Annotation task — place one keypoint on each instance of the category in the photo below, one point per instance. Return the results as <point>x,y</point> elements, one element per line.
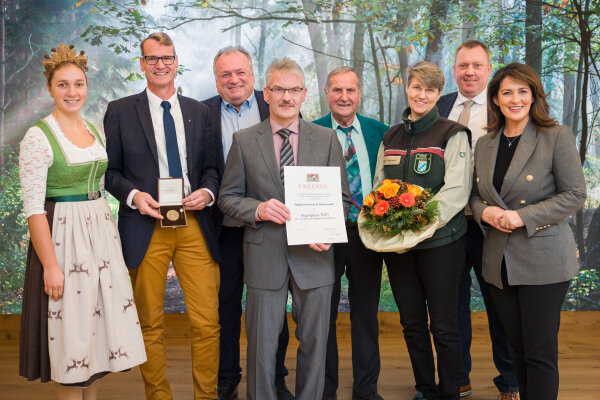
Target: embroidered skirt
<point>93,329</point>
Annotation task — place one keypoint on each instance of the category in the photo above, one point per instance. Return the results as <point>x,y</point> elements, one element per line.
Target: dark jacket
<point>133,164</point>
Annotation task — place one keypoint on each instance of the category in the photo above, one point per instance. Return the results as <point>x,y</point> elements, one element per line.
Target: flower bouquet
<point>397,216</point>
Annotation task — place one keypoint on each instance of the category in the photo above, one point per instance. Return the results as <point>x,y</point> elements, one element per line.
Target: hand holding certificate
<point>314,197</point>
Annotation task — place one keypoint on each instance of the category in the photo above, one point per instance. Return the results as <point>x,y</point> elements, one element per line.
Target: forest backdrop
<point>379,38</point>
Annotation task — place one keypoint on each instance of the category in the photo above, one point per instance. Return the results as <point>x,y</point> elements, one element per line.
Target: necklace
<point>510,142</point>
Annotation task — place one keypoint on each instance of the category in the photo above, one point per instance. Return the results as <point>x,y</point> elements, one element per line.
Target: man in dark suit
<point>360,136</point>
<point>252,191</point>
<point>468,106</point>
<point>159,134</point>
<point>237,106</point>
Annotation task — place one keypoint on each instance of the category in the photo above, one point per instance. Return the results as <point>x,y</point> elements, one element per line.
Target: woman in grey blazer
<point>527,180</point>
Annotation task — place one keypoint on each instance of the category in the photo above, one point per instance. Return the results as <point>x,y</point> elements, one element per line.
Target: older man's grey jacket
<point>252,176</point>
<point>544,184</point>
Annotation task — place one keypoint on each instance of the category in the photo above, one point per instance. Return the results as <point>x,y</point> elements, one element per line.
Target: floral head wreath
<point>63,54</point>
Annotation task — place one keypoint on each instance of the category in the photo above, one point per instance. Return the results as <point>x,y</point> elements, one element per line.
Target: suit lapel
<point>489,167</point>
<point>143,109</point>
<point>264,140</point>
<point>188,124</point>
<point>328,120</point>
<point>525,149</point>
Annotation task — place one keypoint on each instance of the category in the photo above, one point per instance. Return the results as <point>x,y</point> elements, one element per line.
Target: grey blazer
<point>252,176</point>
<point>544,184</point>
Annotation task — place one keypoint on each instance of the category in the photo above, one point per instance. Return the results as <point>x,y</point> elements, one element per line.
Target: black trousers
<point>502,353</point>
<point>363,269</point>
<point>230,310</point>
<point>425,281</point>
<point>530,315</point>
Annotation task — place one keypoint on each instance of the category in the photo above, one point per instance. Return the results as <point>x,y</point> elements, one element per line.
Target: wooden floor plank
<point>579,343</point>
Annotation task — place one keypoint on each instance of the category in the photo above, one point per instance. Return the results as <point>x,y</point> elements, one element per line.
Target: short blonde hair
<point>430,74</point>
<point>161,38</point>
<point>285,65</point>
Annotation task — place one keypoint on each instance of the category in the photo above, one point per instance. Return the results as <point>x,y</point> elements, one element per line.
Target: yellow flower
<point>369,201</point>
<point>388,189</point>
<point>414,190</point>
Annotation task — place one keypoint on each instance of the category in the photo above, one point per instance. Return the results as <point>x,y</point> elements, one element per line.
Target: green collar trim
<point>422,124</point>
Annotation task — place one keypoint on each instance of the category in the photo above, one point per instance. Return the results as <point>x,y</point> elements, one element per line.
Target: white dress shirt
<point>156,113</point>
<point>478,117</point>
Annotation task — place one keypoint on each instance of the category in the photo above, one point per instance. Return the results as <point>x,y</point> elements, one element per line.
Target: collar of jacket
<point>422,124</point>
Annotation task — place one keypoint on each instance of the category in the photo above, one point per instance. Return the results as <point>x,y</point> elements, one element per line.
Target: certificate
<point>314,198</point>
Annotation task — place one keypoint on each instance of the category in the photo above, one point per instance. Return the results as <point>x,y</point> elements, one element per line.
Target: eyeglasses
<point>153,60</point>
<point>295,91</point>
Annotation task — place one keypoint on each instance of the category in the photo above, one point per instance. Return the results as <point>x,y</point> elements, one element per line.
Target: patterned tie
<point>353,173</point>
<point>465,114</point>
<point>287,154</point>
<point>173,159</point>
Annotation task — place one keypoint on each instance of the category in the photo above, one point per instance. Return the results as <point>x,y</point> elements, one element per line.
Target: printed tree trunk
<point>358,55</point>
<point>377,74</point>
<point>533,35</point>
<point>321,60</point>
<point>401,100</point>
<point>2,79</point>
<point>435,38</point>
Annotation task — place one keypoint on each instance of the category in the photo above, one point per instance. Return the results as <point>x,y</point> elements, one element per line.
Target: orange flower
<point>407,199</point>
<point>414,190</point>
<point>388,189</point>
<point>381,207</point>
<point>369,201</point>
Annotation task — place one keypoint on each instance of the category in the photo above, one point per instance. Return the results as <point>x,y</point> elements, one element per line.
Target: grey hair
<point>284,64</point>
<point>341,70</point>
<point>230,49</point>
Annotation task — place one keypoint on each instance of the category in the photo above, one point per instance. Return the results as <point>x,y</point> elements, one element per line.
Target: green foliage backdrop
<point>379,38</point>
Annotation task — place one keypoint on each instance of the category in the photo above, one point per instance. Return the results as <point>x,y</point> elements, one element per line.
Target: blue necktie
<point>173,159</point>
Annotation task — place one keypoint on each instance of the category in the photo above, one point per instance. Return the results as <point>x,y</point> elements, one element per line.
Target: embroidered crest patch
<point>422,163</point>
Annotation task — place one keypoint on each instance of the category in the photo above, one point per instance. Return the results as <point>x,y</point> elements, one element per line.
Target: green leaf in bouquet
<point>432,206</point>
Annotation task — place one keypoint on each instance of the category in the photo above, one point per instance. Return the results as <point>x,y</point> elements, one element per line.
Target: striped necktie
<point>353,173</point>
<point>287,154</point>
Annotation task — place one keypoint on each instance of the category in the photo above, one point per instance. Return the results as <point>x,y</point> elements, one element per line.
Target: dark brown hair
<point>539,113</point>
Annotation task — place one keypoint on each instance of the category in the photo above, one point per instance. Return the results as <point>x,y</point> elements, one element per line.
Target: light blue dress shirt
<point>361,152</point>
<point>233,121</point>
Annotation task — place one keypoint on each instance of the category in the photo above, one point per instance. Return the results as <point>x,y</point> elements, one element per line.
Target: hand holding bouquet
<point>397,216</point>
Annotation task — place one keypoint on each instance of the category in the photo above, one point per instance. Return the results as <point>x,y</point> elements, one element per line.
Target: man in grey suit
<point>252,192</point>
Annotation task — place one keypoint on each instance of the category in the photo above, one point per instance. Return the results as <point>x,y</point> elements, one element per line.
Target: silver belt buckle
<point>93,196</point>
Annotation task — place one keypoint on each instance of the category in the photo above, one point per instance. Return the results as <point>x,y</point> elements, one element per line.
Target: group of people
<point>81,319</point>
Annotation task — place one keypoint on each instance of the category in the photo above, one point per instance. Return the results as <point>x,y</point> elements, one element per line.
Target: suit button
<point>484,202</point>
<point>522,202</point>
<point>529,178</point>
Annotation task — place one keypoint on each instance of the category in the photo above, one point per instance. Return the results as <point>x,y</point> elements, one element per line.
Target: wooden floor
<point>579,363</point>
